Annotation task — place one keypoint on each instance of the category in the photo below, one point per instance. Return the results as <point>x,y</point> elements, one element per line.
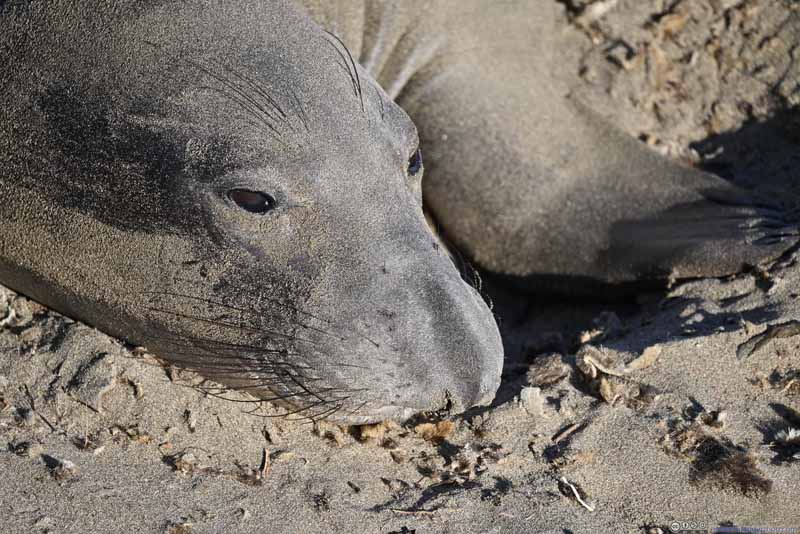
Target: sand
<point>627,416</point>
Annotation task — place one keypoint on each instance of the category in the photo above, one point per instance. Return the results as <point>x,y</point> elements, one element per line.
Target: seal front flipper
<point>724,232</point>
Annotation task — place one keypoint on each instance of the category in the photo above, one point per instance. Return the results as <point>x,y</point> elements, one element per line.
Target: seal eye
<point>252,201</point>
<point>415,163</point>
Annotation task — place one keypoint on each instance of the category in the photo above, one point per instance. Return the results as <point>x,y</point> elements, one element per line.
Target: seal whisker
<point>469,273</point>
<point>232,86</point>
<point>262,367</point>
<point>300,111</point>
<point>382,104</point>
<point>356,79</point>
<point>260,91</point>
<point>304,388</point>
<point>236,362</point>
<point>254,310</point>
<point>235,354</point>
<point>253,104</point>
<point>240,358</point>
<point>357,408</point>
<point>251,401</point>
<point>351,366</point>
<point>278,303</point>
<point>345,64</point>
<point>240,353</point>
<point>219,391</point>
<point>290,413</point>
<point>283,373</point>
<point>262,383</point>
<point>231,325</point>
<point>242,347</point>
<point>272,131</point>
<point>315,418</point>
<point>189,359</point>
<point>338,406</point>
<point>201,343</point>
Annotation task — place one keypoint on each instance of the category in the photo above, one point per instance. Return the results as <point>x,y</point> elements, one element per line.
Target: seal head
<point>232,191</point>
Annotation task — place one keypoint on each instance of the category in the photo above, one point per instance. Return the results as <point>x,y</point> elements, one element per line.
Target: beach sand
<point>673,409</point>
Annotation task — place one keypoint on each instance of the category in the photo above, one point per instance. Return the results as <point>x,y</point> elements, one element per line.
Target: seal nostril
<point>415,163</point>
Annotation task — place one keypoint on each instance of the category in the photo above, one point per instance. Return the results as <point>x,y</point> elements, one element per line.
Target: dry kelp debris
<point>254,477</point>
<point>398,488</point>
<point>697,413</point>
<point>775,331</point>
<point>89,443</point>
<point>387,434</point>
<point>560,443</point>
<point>607,378</point>
<point>378,433</point>
<point>782,436</point>
<point>786,443</point>
<point>605,326</point>
<point>456,470</point>
<point>186,463</point>
<point>322,501</point>
<point>787,382</point>
<point>334,434</point>
<point>468,463</point>
<point>132,432</point>
<point>17,311</point>
<point>181,527</point>
<point>716,461</point>
<point>547,370</point>
<point>61,470</point>
<point>27,449</point>
<point>435,432</point>
<point>502,487</point>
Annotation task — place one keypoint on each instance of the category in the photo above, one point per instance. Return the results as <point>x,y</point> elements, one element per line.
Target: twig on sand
<point>412,512</point>
<point>565,433</point>
<point>263,470</point>
<point>576,493</point>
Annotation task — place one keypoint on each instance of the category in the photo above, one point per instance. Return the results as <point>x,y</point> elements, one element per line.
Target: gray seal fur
<point>127,126</point>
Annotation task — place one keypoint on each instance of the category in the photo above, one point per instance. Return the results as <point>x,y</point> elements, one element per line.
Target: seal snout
<point>433,343</point>
<point>469,346</point>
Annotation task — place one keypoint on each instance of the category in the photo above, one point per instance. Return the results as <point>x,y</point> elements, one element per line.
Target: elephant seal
<point>222,183</point>
<point>226,184</point>
<point>526,180</point>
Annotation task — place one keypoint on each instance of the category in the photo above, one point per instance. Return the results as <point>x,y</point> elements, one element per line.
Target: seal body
<point>527,181</point>
<point>222,183</point>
